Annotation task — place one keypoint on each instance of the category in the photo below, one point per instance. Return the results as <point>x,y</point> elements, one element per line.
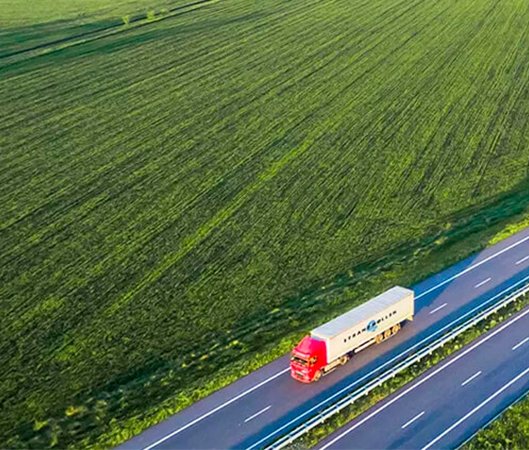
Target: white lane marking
<point>477,374</point>
<point>391,361</point>
<point>438,308</point>
<point>482,283</point>
<point>223,405</point>
<point>412,420</point>
<point>425,379</point>
<point>520,343</point>
<point>477,408</point>
<point>218,408</point>
<point>522,260</point>
<point>468,269</point>
<point>258,413</point>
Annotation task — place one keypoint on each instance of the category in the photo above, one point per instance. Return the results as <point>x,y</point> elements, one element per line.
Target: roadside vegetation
<point>510,430</point>
<point>408,375</point>
<point>181,201</point>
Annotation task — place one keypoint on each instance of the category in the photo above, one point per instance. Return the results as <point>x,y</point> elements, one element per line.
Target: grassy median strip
<point>406,376</point>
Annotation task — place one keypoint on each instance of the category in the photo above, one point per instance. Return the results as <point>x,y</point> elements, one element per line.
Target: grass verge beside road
<point>510,430</point>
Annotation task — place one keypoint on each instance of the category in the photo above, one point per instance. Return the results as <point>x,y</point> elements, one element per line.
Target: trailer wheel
<point>343,360</point>
<point>379,338</point>
<point>317,376</point>
<point>387,334</point>
<point>395,329</point>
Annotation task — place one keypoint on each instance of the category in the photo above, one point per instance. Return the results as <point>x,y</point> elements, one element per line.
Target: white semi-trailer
<point>336,341</point>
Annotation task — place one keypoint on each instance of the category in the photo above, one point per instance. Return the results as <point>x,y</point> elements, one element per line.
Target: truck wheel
<point>317,376</point>
<point>395,329</point>
<point>343,360</point>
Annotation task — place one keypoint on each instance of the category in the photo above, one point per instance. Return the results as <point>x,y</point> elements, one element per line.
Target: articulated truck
<point>335,342</point>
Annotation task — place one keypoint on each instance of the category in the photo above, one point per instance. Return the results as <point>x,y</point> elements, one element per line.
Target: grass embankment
<point>178,199</point>
<point>406,376</point>
<point>510,430</point>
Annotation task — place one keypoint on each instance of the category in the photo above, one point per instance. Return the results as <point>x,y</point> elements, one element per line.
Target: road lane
<point>459,396</point>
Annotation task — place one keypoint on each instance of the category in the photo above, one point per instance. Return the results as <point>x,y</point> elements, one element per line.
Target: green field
<point>170,192</point>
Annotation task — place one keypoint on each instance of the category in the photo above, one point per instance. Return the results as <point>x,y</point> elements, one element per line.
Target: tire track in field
<point>375,121</point>
<point>505,105</point>
<point>396,126</point>
<point>217,222</point>
<point>477,41</point>
<point>118,256</point>
<point>445,66</point>
<point>90,36</point>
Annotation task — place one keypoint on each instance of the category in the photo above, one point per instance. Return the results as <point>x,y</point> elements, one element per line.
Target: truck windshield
<point>301,361</point>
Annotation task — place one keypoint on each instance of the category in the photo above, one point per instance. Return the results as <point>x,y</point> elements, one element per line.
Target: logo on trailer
<point>372,326</point>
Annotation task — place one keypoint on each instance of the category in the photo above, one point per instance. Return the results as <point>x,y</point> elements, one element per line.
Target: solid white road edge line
<point>477,408</point>
<point>522,260</point>
<point>258,413</point>
<point>477,374</point>
<point>438,308</point>
<point>482,283</point>
<point>218,408</point>
<point>223,405</point>
<point>426,378</point>
<point>520,343</point>
<point>412,420</point>
<point>468,269</point>
<point>346,388</point>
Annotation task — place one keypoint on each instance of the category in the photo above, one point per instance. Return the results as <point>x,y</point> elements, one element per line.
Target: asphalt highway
<point>258,408</point>
<point>450,402</point>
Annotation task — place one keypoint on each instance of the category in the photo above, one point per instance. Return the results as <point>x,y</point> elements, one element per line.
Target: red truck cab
<point>308,359</point>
